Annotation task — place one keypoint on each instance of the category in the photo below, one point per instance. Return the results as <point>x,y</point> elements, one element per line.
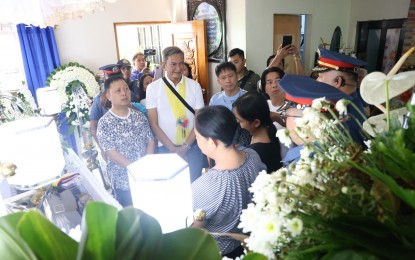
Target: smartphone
<point>287,40</point>
<point>158,72</point>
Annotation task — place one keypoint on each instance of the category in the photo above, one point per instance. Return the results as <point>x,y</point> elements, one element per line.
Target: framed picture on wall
<point>213,11</point>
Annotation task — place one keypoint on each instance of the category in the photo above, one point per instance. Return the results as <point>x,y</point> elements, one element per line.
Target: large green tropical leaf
<point>189,243</point>
<point>98,232</point>
<point>44,238</point>
<point>12,245</point>
<point>106,234</point>
<point>138,234</point>
<point>349,254</point>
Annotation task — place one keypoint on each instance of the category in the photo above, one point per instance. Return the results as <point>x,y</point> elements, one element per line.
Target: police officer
<point>341,72</point>
<point>300,91</point>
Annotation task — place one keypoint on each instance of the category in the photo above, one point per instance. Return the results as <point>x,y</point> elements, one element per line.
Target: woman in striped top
<point>222,192</point>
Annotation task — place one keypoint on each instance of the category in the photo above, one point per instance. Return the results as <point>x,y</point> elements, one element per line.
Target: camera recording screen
<point>149,52</point>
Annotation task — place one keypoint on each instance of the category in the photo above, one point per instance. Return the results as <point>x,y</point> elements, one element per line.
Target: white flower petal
<point>373,86</point>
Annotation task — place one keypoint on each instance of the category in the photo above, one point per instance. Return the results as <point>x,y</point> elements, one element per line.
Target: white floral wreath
<point>65,79</point>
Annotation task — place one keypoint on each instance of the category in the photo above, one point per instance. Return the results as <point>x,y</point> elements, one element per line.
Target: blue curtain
<point>40,54</point>
<point>40,57</point>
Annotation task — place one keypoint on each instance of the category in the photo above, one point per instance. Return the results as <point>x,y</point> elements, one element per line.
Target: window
<point>11,63</point>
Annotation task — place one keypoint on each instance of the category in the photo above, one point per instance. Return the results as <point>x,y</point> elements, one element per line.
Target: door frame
<point>362,32</point>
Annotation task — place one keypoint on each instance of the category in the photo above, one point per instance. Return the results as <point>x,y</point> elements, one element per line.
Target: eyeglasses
<point>290,104</point>
<point>282,111</point>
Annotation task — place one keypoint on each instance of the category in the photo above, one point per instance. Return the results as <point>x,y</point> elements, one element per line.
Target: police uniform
<point>300,91</point>
<point>330,60</point>
<point>132,84</point>
<point>111,70</point>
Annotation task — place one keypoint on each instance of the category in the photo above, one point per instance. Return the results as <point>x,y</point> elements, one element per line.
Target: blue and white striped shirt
<point>222,194</point>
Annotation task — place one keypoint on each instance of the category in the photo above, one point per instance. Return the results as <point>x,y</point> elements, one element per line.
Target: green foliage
<point>12,245</point>
<point>44,238</point>
<point>99,233</point>
<point>392,160</point>
<point>106,234</point>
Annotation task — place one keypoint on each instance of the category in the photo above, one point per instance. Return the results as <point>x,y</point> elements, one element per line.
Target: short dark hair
<point>172,50</point>
<point>224,66</point>
<point>217,122</point>
<point>136,55</point>
<point>266,72</point>
<point>112,79</point>
<point>270,58</point>
<point>236,51</point>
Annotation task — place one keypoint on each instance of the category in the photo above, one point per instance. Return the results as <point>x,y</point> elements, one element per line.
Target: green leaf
<point>98,235</point>
<point>381,241</point>
<point>12,245</point>
<point>44,238</point>
<point>255,256</point>
<point>189,243</point>
<point>407,195</point>
<point>349,255</point>
<point>138,230</point>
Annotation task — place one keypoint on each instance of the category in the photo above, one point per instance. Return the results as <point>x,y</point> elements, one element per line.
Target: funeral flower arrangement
<point>340,201</point>
<point>20,104</point>
<point>77,86</point>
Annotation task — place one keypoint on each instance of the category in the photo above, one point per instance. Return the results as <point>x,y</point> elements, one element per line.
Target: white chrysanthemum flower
<point>284,136</point>
<point>306,151</point>
<point>295,226</point>
<point>304,174</point>
<point>341,106</point>
<point>301,122</point>
<point>318,103</point>
<point>269,227</point>
<point>312,116</point>
<point>317,132</point>
<point>257,244</point>
<point>344,190</point>
<point>249,218</point>
<point>260,182</point>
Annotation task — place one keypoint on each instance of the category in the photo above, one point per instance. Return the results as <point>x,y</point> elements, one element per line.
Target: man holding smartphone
<point>284,50</point>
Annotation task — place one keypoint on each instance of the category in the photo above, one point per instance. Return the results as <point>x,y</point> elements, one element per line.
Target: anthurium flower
<point>373,86</point>
<point>377,124</point>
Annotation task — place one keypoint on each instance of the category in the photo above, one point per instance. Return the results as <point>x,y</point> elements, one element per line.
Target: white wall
<point>369,10</point>
<point>90,40</point>
<point>235,35</point>
<point>325,16</point>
